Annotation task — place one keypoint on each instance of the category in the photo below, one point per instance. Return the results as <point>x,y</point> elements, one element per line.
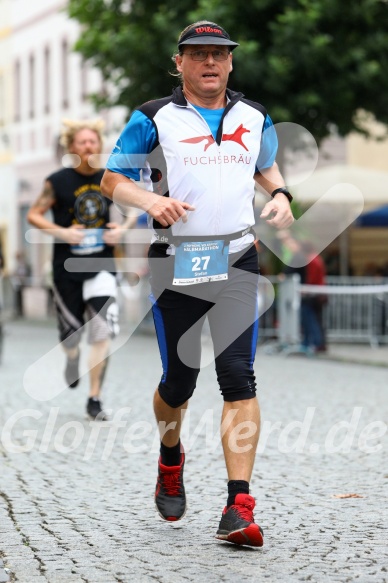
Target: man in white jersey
<point>200,152</point>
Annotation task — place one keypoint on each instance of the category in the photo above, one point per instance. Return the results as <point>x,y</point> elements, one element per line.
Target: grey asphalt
<point>76,497</point>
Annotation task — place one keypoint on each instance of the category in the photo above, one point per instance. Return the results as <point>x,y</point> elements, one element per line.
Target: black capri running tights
<point>179,313</point>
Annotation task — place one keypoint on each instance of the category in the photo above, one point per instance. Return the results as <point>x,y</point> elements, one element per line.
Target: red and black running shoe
<point>238,525</point>
<point>170,497</point>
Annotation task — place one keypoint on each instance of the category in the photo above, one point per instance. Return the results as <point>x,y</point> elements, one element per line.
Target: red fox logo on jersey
<point>235,137</point>
<point>209,141</point>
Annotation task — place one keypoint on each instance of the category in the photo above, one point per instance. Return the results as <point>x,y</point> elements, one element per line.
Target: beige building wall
<point>369,153</point>
<point>368,246</point>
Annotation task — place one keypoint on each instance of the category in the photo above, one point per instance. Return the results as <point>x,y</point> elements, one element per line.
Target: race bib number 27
<point>201,262</point>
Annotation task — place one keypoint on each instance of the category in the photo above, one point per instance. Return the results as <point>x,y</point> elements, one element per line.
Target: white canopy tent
<point>373,184</point>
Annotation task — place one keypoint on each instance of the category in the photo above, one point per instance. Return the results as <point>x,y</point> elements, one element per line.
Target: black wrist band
<point>284,191</point>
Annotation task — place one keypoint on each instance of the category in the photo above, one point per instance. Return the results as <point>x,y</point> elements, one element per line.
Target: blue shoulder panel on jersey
<point>134,144</point>
<point>269,146</point>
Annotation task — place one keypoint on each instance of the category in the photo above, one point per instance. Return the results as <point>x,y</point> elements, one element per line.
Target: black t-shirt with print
<point>78,200</point>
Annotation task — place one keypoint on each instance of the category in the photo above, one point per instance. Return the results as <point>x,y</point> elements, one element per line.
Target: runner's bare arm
<point>45,200</point>
<point>35,216</point>
<point>126,192</point>
<point>270,178</point>
<point>277,211</point>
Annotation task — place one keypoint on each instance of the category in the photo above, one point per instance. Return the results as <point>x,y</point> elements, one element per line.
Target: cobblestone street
<point>76,497</point>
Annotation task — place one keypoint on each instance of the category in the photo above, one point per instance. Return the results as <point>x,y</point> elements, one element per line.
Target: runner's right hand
<point>168,211</point>
<point>73,234</point>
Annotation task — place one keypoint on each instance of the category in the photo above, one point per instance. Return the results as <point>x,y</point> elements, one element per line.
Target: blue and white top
<point>201,156</point>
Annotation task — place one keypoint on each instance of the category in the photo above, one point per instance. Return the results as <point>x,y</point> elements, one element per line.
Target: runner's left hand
<point>113,234</point>
<point>277,212</point>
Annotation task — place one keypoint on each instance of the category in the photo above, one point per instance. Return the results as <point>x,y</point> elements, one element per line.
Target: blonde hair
<point>71,127</point>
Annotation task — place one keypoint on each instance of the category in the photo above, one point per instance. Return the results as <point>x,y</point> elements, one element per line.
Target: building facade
<point>42,82</point>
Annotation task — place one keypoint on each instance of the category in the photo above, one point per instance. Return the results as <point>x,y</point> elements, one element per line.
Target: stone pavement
<point>76,497</point>
<point>359,353</point>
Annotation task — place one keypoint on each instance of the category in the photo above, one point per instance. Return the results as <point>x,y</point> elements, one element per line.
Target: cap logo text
<point>202,29</point>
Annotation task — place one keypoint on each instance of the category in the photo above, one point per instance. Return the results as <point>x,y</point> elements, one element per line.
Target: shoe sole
<point>170,518</point>
<point>251,536</point>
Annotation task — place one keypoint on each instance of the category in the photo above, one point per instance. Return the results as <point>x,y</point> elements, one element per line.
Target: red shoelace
<point>244,512</point>
<point>171,483</point>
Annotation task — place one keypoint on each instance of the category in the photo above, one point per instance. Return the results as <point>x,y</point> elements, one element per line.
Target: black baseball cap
<point>207,33</point>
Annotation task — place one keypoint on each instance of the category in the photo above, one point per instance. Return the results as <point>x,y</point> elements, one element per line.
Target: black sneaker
<point>237,524</point>
<point>72,372</point>
<point>170,497</point>
<point>95,411</point>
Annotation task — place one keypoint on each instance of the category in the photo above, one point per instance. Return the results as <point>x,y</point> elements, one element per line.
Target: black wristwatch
<point>284,191</point>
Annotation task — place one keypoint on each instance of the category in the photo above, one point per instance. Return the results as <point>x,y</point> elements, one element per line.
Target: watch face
<point>90,207</point>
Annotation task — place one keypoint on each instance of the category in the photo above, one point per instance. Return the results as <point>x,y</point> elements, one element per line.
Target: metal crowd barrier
<point>356,310</point>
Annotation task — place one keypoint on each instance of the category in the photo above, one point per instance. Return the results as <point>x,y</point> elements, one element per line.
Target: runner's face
<point>86,143</point>
<point>204,78</point>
